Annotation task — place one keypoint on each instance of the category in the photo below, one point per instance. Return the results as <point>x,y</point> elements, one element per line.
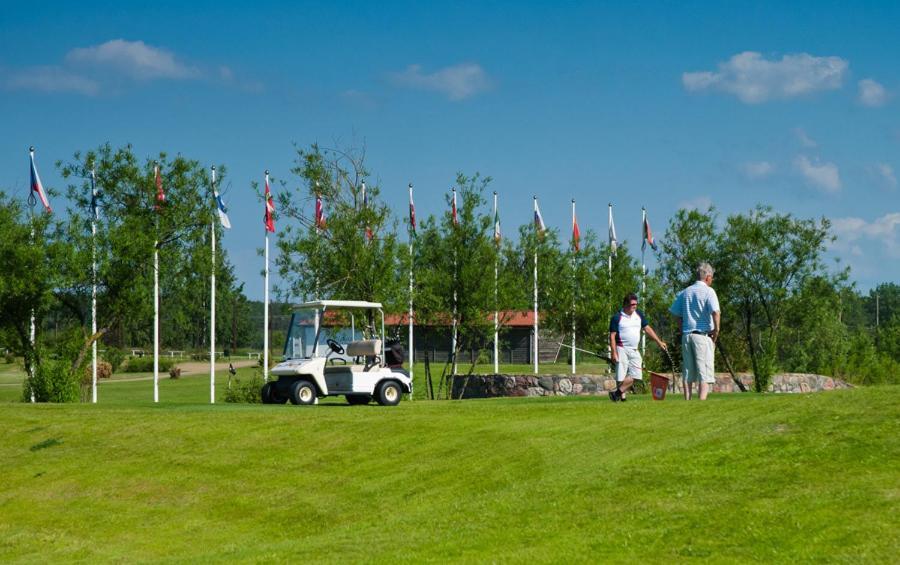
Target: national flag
<point>613,242</point>
<point>269,219</point>
<point>497,236</point>
<point>412,212</point>
<point>223,211</point>
<point>453,214</point>
<point>576,233</point>
<point>538,219</point>
<point>160,195</point>
<point>36,186</point>
<point>95,211</point>
<point>648,235</point>
<point>320,213</point>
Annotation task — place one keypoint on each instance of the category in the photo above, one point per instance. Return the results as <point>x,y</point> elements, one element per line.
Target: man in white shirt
<point>624,337</point>
<point>697,312</point>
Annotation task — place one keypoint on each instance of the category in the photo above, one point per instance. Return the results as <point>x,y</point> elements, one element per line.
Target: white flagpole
<point>93,286</point>
<point>412,348</point>
<point>574,284</point>
<point>453,339</point>
<point>266,304</point>
<point>496,277</point>
<point>643,273</point>
<point>535,354</point>
<point>156,321</point>
<point>212,300</point>
<point>609,269</point>
<point>32,330</point>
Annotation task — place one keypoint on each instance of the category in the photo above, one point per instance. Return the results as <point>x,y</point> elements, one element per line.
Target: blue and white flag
<point>223,211</point>
<point>538,219</point>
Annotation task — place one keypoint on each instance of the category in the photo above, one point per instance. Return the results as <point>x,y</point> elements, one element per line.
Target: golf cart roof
<point>337,304</point>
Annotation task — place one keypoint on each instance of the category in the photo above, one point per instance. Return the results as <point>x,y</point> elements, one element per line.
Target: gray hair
<point>704,270</point>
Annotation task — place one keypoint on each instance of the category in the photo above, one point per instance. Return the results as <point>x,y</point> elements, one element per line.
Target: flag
<point>496,221</point>
<point>270,207</point>
<point>613,242</point>
<point>648,235</point>
<point>160,195</point>
<point>453,209</point>
<point>576,233</point>
<point>36,186</point>
<point>538,219</point>
<point>223,211</point>
<point>365,203</point>
<point>320,213</point>
<point>412,212</point>
<point>95,210</point>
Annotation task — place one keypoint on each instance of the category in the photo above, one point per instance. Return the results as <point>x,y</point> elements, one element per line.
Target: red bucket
<point>658,385</point>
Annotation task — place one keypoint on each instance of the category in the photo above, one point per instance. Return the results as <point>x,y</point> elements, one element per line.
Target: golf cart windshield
<point>344,321</point>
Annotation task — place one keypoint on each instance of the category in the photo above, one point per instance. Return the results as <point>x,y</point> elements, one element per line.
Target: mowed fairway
<point>752,477</point>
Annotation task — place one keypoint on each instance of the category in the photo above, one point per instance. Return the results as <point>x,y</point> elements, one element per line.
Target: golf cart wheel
<point>267,393</point>
<point>303,393</point>
<point>389,393</point>
<point>358,399</point>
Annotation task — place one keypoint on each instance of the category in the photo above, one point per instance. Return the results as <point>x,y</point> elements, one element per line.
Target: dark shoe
<point>614,395</point>
<point>622,398</point>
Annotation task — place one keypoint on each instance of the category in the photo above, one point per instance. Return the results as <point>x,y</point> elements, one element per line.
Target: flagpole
<point>535,355</point>
<point>93,286</point>
<point>574,285</point>
<point>32,201</point>
<point>609,257</point>
<point>496,278</point>
<point>412,348</point>
<point>455,276</point>
<point>156,306</point>
<point>266,302</point>
<point>643,270</point>
<point>212,301</point>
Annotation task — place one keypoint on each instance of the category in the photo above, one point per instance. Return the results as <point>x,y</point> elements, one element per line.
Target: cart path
<point>188,369</point>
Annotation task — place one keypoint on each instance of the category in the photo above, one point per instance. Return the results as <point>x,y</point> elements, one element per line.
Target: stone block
<point>577,388</point>
<point>565,386</point>
<point>534,391</point>
<point>609,384</point>
<point>546,383</point>
<point>804,387</point>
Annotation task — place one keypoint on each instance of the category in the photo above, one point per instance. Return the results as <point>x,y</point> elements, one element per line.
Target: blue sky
<point>667,105</point>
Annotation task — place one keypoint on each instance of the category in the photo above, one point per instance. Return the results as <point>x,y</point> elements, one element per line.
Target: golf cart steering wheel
<point>335,346</point>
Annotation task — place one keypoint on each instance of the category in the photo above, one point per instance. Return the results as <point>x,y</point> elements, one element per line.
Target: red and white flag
<point>36,186</point>
<point>538,219</point>
<point>270,207</point>
<point>320,213</point>
<point>453,214</point>
<point>576,233</point>
<point>160,195</point>
<point>648,235</point>
<point>412,212</point>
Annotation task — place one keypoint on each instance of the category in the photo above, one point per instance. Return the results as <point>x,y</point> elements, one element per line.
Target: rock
<point>565,386</point>
<point>546,383</point>
<point>804,387</point>
<point>828,385</point>
<point>577,388</point>
<point>534,391</point>
<point>609,384</point>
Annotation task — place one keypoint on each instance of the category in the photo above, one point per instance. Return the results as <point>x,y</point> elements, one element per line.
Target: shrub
<point>175,372</point>
<point>54,381</point>
<point>247,391</point>
<point>9,358</point>
<point>145,364</point>
<point>104,371</point>
<point>115,357</point>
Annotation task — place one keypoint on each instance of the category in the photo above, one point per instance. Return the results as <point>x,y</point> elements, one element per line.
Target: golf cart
<point>359,369</point>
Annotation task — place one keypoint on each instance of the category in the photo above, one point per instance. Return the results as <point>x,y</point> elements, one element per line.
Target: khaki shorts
<point>629,364</point>
<point>698,355</point>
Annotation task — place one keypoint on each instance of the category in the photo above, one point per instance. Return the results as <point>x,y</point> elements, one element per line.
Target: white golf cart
<point>359,369</point>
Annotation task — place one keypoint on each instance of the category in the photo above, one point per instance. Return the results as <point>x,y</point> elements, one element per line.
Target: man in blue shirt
<point>697,312</point>
<point>624,337</point>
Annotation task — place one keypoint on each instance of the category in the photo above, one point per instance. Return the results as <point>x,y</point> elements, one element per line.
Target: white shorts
<point>697,356</point>
<point>629,364</point>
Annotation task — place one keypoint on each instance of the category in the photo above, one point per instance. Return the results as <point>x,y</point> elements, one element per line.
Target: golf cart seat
<point>369,349</point>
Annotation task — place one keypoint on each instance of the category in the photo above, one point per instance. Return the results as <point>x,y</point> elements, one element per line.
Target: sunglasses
<point>633,304</point>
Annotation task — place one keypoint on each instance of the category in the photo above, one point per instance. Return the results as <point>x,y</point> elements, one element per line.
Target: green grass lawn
<point>738,478</point>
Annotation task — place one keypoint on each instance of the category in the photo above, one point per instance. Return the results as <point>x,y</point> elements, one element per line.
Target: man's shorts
<point>629,364</point>
<point>698,355</point>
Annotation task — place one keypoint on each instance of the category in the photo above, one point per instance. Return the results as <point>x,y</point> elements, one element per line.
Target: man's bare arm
<point>717,322</point>
<point>649,331</point>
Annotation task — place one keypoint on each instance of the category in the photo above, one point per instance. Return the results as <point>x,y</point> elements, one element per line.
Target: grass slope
<point>741,477</point>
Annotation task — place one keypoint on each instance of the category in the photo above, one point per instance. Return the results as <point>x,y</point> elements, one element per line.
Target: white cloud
<point>133,58</point>
<point>884,173</point>
<point>456,82</point>
<point>755,170</point>
<point>824,176</point>
<point>804,139</point>
<point>885,230</point>
<point>871,93</point>
<point>50,79</point>
<point>701,203</point>
<point>755,80</point>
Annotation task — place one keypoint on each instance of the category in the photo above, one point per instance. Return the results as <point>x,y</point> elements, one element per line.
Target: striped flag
<point>538,219</point>
<point>648,235</point>
<point>453,209</point>
<point>320,213</point>
<point>497,236</point>
<point>576,233</point>
<point>412,212</point>
<point>613,242</point>
<point>269,219</point>
<point>160,195</point>
<point>36,186</point>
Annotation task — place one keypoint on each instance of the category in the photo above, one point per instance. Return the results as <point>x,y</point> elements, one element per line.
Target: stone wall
<point>487,386</point>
